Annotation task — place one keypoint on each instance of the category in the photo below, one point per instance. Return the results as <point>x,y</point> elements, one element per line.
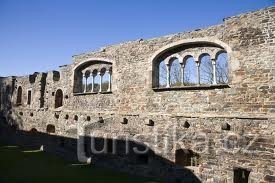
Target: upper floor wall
<point>127,78</point>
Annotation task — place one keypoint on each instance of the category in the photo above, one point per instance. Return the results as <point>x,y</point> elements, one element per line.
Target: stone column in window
<point>198,72</point>
<point>110,80</point>
<point>214,71</point>
<point>182,73</point>
<point>167,76</point>
<point>100,81</point>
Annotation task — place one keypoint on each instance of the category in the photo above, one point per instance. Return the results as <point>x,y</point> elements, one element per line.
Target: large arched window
<point>58,98</point>
<point>191,64</point>
<point>19,96</point>
<point>93,76</point>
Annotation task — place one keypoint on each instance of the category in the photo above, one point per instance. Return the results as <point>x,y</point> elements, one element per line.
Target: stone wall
<point>229,127</point>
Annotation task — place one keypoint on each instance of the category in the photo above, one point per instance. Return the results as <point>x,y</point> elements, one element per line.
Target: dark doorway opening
<point>241,175</point>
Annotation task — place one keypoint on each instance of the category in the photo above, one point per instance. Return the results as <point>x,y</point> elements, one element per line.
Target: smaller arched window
<point>19,96</point>
<point>222,67</point>
<point>33,131</point>
<point>190,75</point>
<point>50,128</point>
<point>94,76</point>
<point>175,73</point>
<point>58,98</point>
<point>206,69</point>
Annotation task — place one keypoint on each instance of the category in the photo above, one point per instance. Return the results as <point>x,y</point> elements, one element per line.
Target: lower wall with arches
<point>179,148</point>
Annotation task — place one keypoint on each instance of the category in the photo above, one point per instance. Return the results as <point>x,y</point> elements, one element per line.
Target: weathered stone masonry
<point>226,130</point>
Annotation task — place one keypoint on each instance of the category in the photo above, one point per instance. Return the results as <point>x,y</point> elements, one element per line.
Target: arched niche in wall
<point>50,128</point>
<point>58,98</point>
<point>56,76</point>
<point>191,62</point>
<point>19,96</point>
<point>92,76</point>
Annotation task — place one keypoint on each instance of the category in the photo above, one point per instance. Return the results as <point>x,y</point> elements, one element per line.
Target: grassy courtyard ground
<point>18,165</point>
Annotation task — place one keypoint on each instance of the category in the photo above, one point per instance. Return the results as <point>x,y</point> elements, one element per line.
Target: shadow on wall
<point>126,156</point>
<point>120,154</point>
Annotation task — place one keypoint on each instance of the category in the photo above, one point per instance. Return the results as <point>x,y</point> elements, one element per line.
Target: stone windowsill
<point>195,87</point>
<point>92,93</point>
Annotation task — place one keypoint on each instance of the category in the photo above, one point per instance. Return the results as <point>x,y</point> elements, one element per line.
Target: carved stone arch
<point>186,56</point>
<point>95,71</point>
<point>217,52</point>
<point>102,70</point>
<point>87,73</point>
<point>201,55</point>
<point>173,57</point>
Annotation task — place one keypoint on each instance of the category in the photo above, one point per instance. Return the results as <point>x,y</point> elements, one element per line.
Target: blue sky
<point>40,35</point>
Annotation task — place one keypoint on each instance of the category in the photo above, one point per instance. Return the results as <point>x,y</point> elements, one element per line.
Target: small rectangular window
<point>29,97</point>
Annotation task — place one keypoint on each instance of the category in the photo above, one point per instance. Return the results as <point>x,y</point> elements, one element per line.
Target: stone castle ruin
<point>200,105</point>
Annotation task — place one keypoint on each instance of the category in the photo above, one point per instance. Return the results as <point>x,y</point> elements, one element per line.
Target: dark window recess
<point>58,98</point>
<point>50,129</point>
<point>186,157</point>
<point>241,175</point>
<point>29,97</point>
<point>33,131</point>
<point>19,96</point>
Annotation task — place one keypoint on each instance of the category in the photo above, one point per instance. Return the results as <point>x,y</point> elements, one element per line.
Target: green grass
<point>19,166</point>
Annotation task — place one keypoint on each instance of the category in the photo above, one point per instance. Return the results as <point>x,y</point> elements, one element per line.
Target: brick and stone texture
<point>229,127</point>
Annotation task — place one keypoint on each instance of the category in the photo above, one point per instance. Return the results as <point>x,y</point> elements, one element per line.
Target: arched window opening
<point>33,131</point>
<point>86,81</point>
<point>76,118</point>
<point>186,157</point>
<point>190,74</point>
<point>58,98</point>
<point>50,129</point>
<point>175,73</point>
<point>206,69</point>
<point>96,81</point>
<point>90,83</point>
<point>222,68</point>
<point>19,96</point>
<point>93,77</point>
<point>162,74</point>
<point>105,81</point>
